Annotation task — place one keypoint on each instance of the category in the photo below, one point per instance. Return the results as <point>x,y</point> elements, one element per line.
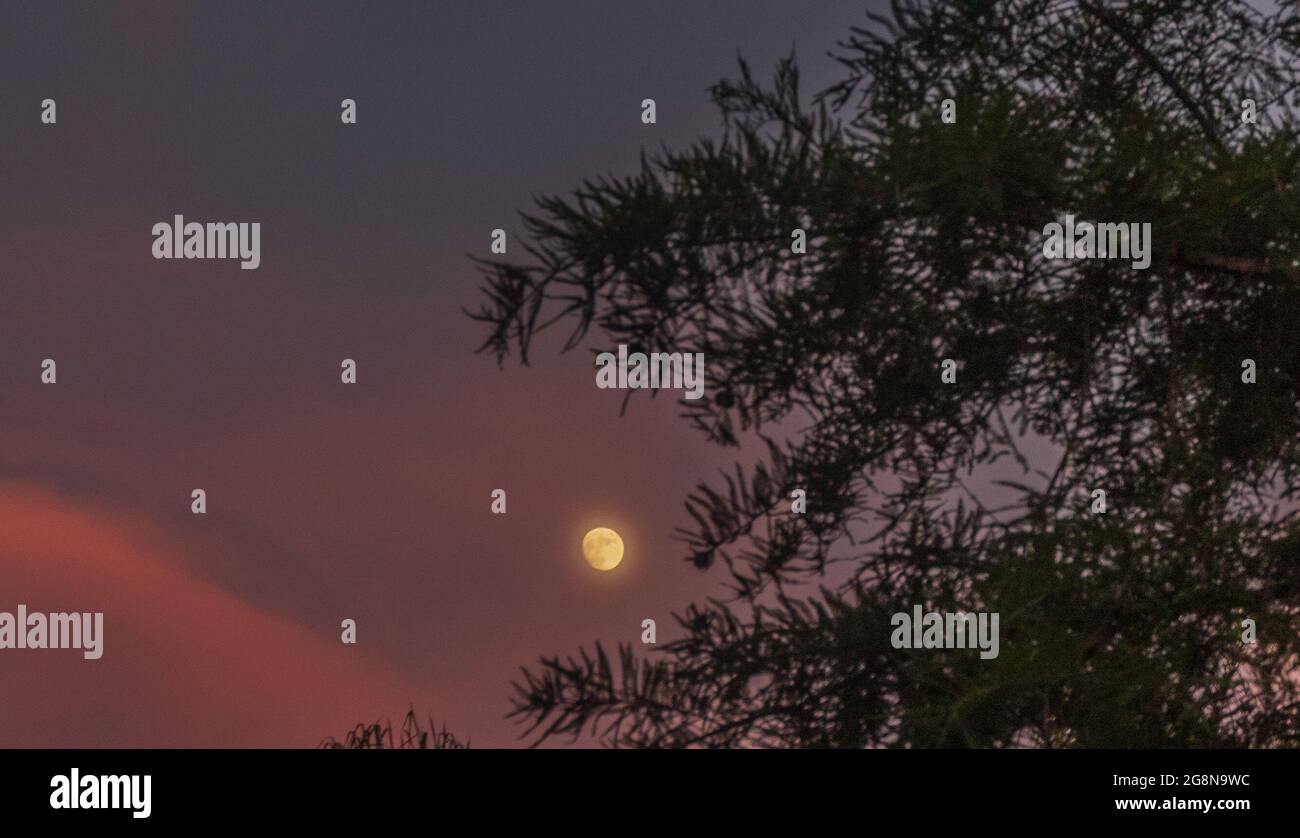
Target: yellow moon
<point>602,548</point>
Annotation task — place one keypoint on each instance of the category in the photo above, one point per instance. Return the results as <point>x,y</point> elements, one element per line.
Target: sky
<point>327,501</point>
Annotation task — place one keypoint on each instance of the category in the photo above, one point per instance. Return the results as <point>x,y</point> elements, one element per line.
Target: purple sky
<point>326,501</point>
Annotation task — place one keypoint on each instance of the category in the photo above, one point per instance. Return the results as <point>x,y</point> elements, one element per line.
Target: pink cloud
<point>185,663</point>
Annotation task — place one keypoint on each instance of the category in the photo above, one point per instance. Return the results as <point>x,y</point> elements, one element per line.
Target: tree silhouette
<point>925,242</point>
<point>414,737</point>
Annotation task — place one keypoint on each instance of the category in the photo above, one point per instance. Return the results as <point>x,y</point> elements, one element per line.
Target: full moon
<point>602,548</point>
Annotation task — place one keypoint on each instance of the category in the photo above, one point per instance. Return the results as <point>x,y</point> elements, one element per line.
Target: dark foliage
<point>1121,629</point>
<point>414,736</point>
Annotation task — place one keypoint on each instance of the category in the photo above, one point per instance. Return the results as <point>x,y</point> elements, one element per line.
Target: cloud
<point>185,663</point>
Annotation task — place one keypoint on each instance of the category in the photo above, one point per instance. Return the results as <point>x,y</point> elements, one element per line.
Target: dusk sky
<point>327,501</point>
